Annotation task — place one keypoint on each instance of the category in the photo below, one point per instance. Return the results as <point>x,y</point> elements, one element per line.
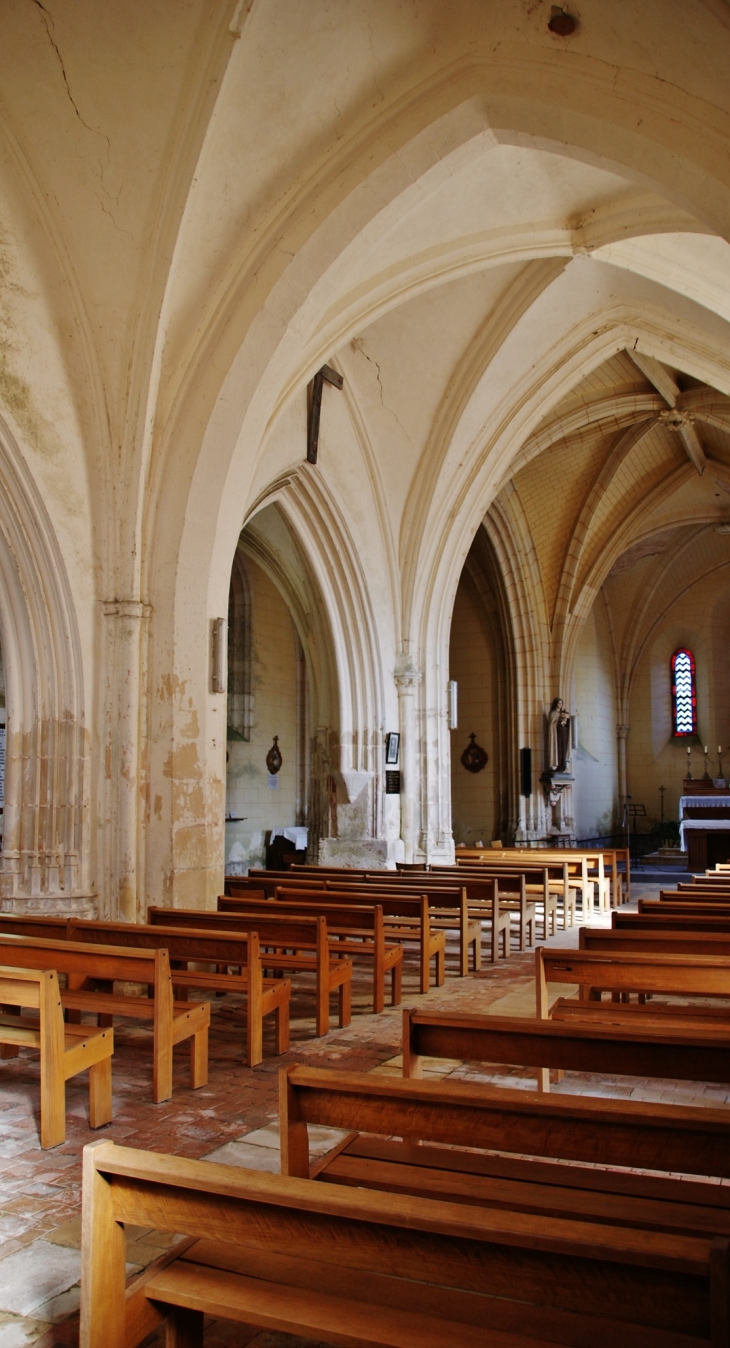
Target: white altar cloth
<point>700,823</point>
<point>296,835</point>
<point>704,802</point>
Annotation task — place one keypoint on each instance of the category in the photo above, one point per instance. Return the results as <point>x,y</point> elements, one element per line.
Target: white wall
<point>595,760</point>
<point>274,689</point>
<point>472,663</point>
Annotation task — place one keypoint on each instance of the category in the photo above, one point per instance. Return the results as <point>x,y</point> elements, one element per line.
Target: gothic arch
<point>46,836</point>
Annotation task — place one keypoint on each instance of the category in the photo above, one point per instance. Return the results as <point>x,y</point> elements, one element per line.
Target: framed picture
<point>392,749</point>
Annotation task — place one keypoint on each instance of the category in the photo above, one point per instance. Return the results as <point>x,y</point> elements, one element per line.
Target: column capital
<point>622,731</point>
<point>406,673</point>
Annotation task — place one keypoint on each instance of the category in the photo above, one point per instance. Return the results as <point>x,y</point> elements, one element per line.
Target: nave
<point>233,1118</point>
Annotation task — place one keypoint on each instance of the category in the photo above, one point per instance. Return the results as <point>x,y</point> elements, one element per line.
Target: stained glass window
<point>684,693</point>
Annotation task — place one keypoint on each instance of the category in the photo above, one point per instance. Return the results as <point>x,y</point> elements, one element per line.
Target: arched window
<point>684,693</point>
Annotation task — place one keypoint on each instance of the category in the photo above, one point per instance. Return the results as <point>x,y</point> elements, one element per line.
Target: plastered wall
<point>274,688</point>
<point>473,665</point>
<point>699,620</point>
<point>594,703</point>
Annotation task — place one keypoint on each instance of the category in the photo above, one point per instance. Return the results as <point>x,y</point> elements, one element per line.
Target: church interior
<point>364,628</point>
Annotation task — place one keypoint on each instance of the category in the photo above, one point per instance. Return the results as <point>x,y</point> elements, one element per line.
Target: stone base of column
<point>51,905</point>
<point>361,853</point>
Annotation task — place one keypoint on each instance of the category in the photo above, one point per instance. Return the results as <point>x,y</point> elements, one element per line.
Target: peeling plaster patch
<point>171,686</point>
<point>182,763</point>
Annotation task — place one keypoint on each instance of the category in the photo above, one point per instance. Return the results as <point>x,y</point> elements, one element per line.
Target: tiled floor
<point>232,1120</point>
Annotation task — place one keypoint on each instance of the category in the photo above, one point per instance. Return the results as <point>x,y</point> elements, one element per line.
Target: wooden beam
<point>325,375</point>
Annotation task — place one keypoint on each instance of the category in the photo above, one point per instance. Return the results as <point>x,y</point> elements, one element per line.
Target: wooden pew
<point>540,880</point>
<point>448,908</point>
<point>359,930</point>
<point>85,964</point>
<point>303,938</point>
<point>675,917</point>
<point>599,865</point>
<point>619,971</point>
<point>686,943</point>
<point>264,996</point>
<point>688,1052</point>
<point>406,918</point>
<point>340,1266</point>
<point>573,871</point>
<point>65,1050</point>
<point>406,1136</point>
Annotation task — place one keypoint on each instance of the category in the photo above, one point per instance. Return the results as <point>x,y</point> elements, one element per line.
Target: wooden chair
<point>65,1050</point>
<point>341,1266</point>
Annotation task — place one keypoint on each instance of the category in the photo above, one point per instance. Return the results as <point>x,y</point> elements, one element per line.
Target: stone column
<point>126,628</point>
<point>621,733</point>
<point>407,679</point>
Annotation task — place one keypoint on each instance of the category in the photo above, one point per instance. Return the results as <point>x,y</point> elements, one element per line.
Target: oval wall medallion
<point>274,759</point>
<point>474,757</point>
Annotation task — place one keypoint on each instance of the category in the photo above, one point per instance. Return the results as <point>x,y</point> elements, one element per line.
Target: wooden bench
<point>65,1050</point>
<point>407,1136</point>
<point>87,964</point>
<point>407,920</point>
<point>687,943</point>
<point>619,971</point>
<point>241,950</point>
<point>476,903</point>
<point>597,867</point>
<point>547,884</point>
<point>340,1266</point>
<point>675,917</point>
<point>687,1052</point>
<point>565,875</point>
<point>447,906</point>
<point>305,939</point>
<point>359,931</point>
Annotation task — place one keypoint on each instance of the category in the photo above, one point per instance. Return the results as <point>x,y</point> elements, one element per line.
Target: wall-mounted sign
<point>392,748</point>
<point>392,783</point>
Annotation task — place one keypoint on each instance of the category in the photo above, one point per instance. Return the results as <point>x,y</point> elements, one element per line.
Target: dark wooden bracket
<point>315,407</point>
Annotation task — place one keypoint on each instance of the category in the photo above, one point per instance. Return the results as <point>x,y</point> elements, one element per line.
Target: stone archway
<point>45,860</point>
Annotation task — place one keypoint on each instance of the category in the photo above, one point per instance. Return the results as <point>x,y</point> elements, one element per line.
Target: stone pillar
<point>407,679</point>
<point>126,645</point>
<point>621,733</point>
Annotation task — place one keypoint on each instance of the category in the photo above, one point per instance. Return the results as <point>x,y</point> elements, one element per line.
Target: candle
<point>719,748</point>
<point>705,748</point>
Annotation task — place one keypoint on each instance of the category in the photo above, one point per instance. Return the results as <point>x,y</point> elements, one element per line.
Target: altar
<point>704,827</point>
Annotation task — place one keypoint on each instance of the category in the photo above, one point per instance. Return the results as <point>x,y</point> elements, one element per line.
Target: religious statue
<point>558,736</point>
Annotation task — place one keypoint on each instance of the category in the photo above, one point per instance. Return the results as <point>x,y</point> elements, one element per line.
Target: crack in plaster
<point>47,21</point>
<point>358,348</point>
